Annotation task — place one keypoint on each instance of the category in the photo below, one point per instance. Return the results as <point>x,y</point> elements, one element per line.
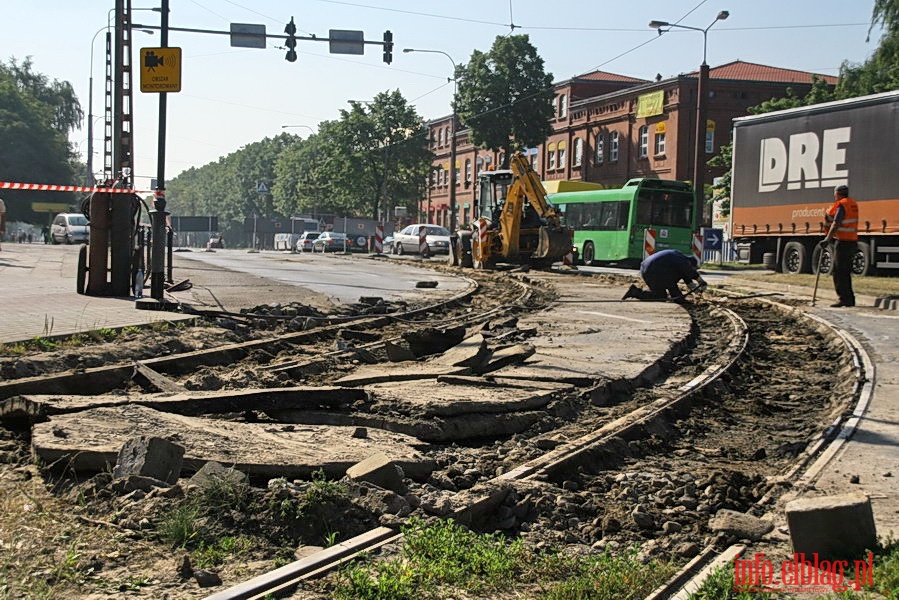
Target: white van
<point>69,228</point>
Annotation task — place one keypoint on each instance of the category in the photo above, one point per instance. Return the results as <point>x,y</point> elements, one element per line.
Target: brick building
<point>610,128</point>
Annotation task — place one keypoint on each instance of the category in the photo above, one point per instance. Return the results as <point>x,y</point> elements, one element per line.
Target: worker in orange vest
<point>843,219</point>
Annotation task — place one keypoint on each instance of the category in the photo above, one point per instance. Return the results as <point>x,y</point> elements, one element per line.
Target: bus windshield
<point>665,208</point>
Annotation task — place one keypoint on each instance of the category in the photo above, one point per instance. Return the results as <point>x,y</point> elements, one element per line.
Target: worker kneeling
<point>662,271</point>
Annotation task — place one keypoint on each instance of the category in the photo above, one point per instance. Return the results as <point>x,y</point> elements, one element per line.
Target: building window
<point>552,159</point>
<point>563,106</point>
<point>468,169</point>
<point>644,141</point>
<point>561,158</point>
<point>600,148</point>
<point>439,137</point>
<point>578,154</point>
<point>709,141</point>
<point>613,150</point>
<point>534,161</point>
<point>448,135</point>
<point>660,142</point>
<point>458,173</point>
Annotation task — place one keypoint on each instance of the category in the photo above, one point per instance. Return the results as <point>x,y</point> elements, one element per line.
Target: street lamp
<point>452,181</point>
<point>698,163</point>
<point>90,95</point>
<point>306,126</point>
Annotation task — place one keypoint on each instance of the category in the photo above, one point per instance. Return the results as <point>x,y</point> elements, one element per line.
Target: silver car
<point>69,228</point>
<point>407,240</point>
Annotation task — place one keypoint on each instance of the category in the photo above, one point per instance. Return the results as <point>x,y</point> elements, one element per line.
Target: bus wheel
<point>794,259</point>
<point>861,261</point>
<point>589,254</point>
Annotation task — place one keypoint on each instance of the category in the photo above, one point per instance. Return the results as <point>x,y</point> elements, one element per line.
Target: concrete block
<point>834,527</point>
<point>150,456</point>
<point>380,471</point>
<point>214,473</point>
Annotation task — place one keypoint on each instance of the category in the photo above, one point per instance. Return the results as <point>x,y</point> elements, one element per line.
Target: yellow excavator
<point>516,223</point>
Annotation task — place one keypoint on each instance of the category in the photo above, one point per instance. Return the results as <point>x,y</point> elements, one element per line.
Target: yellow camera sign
<point>160,70</point>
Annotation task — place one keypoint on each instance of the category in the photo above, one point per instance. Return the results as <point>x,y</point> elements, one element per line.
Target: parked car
<point>69,228</point>
<point>331,241</point>
<point>387,245</point>
<point>304,243</point>
<point>216,241</point>
<point>407,240</point>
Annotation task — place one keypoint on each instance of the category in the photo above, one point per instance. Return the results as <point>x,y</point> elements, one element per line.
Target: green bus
<point>609,225</point>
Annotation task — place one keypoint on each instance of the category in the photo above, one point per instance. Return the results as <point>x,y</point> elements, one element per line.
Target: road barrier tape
<point>45,187</point>
<point>697,247</point>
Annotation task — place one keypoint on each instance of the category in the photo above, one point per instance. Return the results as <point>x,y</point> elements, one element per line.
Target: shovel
<point>817,275</point>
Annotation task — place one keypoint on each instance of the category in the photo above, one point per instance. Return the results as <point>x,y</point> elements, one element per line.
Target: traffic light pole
<point>159,213</point>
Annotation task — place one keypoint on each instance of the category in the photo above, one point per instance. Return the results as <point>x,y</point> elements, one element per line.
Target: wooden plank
<point>153,381</point>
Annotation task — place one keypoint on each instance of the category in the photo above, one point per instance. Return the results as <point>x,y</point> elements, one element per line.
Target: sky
<point>231,97</point>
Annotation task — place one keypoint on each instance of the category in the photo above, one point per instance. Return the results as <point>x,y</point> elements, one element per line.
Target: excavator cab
<point>515,221</point>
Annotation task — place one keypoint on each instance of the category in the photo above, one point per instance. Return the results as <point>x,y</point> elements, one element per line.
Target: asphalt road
<point>344,278</point>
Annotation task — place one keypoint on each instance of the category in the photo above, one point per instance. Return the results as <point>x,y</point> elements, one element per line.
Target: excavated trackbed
<point>584,387</point>
<point>666,421</point>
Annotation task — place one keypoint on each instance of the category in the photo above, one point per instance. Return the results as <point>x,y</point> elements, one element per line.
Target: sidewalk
<point>37,291</point>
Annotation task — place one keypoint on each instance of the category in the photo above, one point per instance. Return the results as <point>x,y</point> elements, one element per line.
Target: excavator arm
<point>554,241</point>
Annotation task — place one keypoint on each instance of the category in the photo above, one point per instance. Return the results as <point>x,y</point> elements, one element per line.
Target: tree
<point>505,97</point>
<point>35,118</point>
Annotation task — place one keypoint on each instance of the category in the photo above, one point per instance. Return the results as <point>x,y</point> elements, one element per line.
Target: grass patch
<point>869,286</point>
<point>442,557</point>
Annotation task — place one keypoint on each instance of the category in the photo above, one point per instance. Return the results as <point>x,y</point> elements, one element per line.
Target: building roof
<point>747,71</point>
<point>606,76</point>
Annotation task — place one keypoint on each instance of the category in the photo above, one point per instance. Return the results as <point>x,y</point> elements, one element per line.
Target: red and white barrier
<point>649,242</point>
<point>45,187</point>
<point>697,247</point>
<point>379,239</point>
<point>423,241</point>
<point>568,260</point>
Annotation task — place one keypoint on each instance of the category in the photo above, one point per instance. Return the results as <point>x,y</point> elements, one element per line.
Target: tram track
<point>573,477</point>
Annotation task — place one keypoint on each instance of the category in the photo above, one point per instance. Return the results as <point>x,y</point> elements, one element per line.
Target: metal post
<point>699,150</point>
<point>159,213</point>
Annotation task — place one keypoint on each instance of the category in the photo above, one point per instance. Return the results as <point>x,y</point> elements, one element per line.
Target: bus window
<point>669,209</point>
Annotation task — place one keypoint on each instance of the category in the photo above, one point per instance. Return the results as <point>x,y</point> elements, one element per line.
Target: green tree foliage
<point>373,156</point>
<point>505,97</point>
<point>36,115</point>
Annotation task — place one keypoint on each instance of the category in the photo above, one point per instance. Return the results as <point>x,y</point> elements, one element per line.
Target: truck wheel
<point>822,261</point>
<point>861,262</point>
<point>479,262</point>
<point>589,254</point>
<point>794,259</point>
<point>81,273</point>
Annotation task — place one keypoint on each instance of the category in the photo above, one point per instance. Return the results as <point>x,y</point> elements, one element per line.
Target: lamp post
<point>306,126</point>
<point>90,94</point>
<point>452,181</point>
<point>701,97</point>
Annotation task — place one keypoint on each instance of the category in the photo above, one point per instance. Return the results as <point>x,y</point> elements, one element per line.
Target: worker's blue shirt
<point>662,270</point>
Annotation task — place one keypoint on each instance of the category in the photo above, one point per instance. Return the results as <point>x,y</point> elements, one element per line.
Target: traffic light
<point>388,47</point>
<point>291,41</point>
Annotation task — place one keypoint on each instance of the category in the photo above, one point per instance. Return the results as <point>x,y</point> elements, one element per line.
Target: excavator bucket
<point>553,243</point>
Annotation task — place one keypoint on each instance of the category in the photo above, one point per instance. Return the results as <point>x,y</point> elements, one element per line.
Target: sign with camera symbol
<point>160,70</point>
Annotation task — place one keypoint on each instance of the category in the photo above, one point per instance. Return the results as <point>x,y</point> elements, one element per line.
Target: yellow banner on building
<point>649,105</point>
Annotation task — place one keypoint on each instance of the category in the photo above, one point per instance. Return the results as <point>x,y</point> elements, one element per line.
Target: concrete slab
<point>90,441</point>
<point>591,334</point>
<point>437,398</point>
